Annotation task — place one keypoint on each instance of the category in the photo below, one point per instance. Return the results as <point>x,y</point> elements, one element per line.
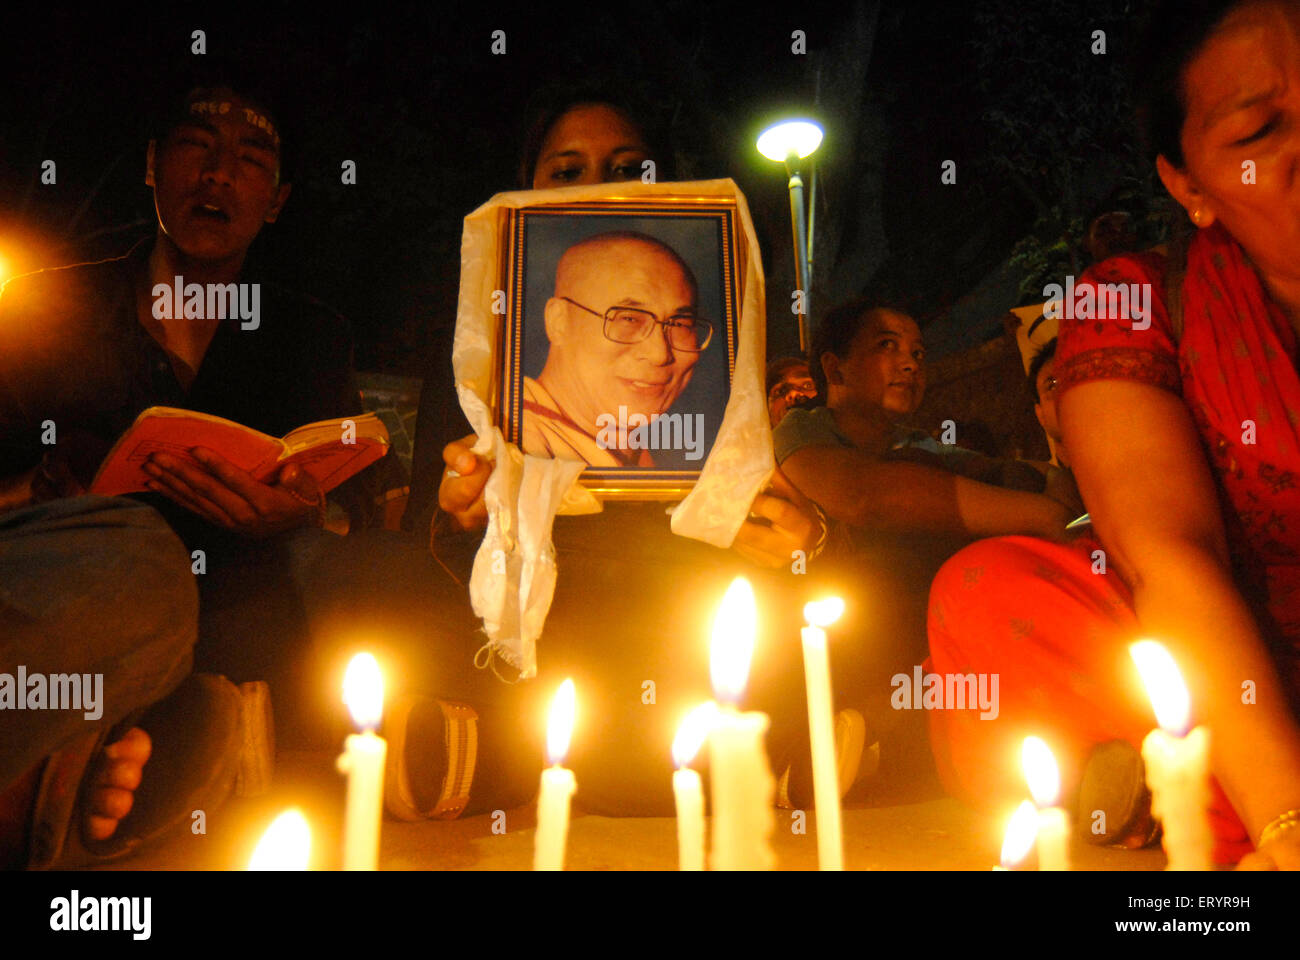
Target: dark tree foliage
<point>1052,78</point>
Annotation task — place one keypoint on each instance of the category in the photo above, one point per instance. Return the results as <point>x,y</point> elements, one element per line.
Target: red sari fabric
<point>1057,631</point>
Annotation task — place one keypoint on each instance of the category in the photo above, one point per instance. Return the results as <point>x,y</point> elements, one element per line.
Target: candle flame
<point>1022,831</point>
<point>560,727</point>
<point>1164,685</point>
<point>363,691</point>
<point>733,641</point>
<point>822,613</point>
<point>286,845</point>
<point>693,732</point>
<point>1041,771</point>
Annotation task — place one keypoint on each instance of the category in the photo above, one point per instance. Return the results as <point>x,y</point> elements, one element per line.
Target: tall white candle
<point>1177,762</point>
<point>558,784</point>
<point>687,789</point>
<point>1019,837</point>
<point>1044,779</point>
<point>821,730</point>
<point>743,786</point>
<point>363,762</point>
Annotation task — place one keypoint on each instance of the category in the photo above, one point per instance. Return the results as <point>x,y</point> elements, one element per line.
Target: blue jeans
<point>90,585</point>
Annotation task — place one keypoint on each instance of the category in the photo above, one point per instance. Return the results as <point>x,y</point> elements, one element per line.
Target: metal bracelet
<point>1284,822</point>
<point>825,534</point>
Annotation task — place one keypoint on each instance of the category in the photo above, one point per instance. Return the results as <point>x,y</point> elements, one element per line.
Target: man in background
<point>789,383</point>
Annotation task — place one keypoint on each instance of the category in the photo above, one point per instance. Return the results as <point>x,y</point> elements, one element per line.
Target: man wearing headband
<point>104,584</point>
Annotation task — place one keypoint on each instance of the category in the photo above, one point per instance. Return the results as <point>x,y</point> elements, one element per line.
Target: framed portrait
<point>618,342</point>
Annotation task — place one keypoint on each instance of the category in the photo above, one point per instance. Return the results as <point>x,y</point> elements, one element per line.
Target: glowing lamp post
<point>791,141</point>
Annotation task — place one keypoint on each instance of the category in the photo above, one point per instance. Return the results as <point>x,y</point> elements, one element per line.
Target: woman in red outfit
<point>1185,441</point>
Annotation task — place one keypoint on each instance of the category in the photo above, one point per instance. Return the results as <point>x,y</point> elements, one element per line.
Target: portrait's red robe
<point>548,432</point>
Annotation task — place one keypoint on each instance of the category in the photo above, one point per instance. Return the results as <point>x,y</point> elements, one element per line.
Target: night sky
<point>433,120</point>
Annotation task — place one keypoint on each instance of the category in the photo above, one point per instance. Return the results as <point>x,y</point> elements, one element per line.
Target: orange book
<point>331,451</point>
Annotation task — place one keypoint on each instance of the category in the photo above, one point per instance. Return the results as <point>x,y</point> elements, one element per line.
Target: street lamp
<point>791,141</point>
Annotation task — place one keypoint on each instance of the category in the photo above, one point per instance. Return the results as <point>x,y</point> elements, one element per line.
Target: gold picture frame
<point>702,231</point>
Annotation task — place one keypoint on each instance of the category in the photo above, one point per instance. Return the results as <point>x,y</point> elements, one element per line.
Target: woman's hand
<point>1141,466</point>
<point>793,524</point>
<point>460,495</point>
<point>229,497</point>
<point>1280,853</point>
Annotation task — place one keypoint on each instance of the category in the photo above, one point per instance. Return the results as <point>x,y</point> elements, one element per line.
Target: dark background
<point>1037,124</point>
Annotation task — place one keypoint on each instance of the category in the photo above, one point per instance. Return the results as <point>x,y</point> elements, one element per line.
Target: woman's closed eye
<point>1259,134</point>
<point>566,174</point>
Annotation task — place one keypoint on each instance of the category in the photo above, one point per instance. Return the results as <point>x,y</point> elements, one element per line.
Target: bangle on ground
<point>1280,825</point>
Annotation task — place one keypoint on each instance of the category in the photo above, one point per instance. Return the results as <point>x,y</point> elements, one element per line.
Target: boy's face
<point>216,176</point>
<point>885,368</point>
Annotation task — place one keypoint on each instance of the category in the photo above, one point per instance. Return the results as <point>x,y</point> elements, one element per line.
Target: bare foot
<point>117,779</point>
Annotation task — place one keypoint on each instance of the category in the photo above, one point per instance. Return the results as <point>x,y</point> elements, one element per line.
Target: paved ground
<point>916,830</point>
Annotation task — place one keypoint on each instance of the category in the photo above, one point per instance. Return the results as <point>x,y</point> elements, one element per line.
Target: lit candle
<point>1045,786</point>
<point>821,730</point>
<point>686,786</point>
<point>743,787</point>
<point>1018,840</point>
<point>1177,762</point>
<point>363,762</point>
<point>286,845</point>
<point>558,784</point>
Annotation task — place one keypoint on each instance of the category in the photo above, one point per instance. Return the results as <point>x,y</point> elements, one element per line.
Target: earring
<point>1196,216</point>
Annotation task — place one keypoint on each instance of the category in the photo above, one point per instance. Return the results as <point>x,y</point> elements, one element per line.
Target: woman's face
<point>590,143</point>
<point>1241,135</point>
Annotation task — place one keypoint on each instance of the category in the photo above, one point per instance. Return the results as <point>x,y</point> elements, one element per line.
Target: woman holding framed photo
<point>632,601</point>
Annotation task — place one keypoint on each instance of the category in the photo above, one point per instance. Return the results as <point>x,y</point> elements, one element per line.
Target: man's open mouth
<point>210,211</point>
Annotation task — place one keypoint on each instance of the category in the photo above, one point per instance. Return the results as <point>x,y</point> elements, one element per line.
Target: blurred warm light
<point>1164,685</point>
<point>559,730</point>
<point>1022,831</point>
<point>790,137</point>
<point>693,732</point>
<point>286,845</point>
<point>822,613</point>
<point>363,691</point>
<point>733,641</point>
<point>4,269</point>
<point>1040,771</point>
